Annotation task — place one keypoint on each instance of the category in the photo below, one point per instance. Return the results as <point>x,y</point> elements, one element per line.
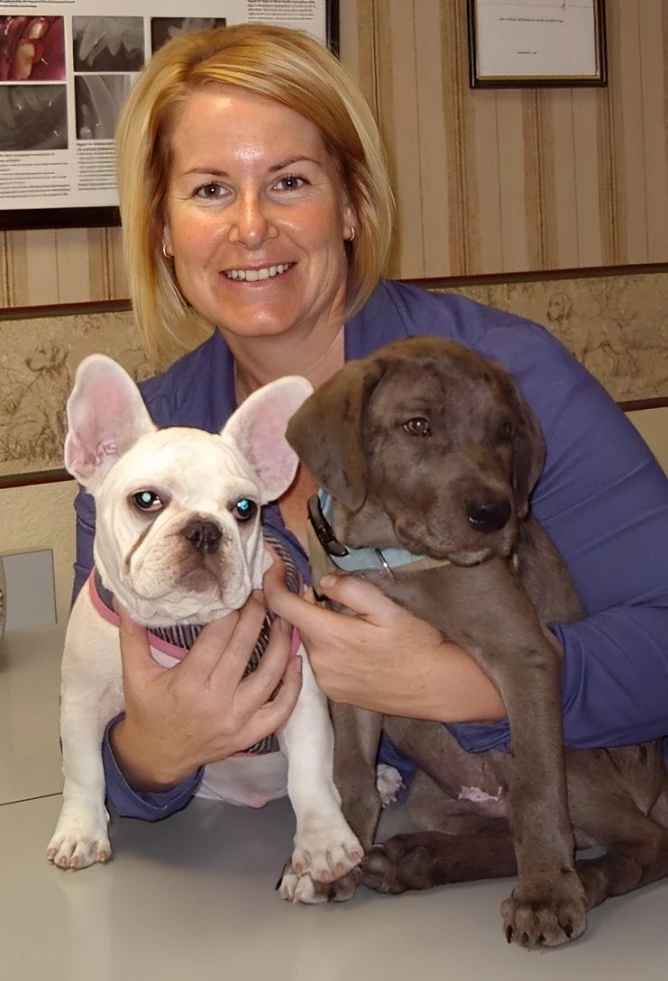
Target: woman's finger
<point>256,690</point>
<point>359,595</point>
<point>273,715</point>
<point>224,667</point>
<point>136,659</point>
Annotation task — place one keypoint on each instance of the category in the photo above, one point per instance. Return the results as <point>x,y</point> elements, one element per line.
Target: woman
<point>255,199</point>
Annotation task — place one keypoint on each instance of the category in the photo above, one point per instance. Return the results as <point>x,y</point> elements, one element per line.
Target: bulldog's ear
<point>258,429</point>
<point>328,432</point>
<point>106,415</point>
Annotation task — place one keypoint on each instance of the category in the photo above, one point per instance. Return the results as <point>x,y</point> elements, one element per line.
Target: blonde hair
<point>283,64</point>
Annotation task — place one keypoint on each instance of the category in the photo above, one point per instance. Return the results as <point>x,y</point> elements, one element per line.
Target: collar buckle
<point>323,529</point>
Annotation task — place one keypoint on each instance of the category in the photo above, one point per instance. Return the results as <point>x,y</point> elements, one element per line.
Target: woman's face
<point>255,216</point>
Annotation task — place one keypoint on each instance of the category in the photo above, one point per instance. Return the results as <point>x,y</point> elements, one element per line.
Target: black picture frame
<point>23,219</point>
<point>479,81</point>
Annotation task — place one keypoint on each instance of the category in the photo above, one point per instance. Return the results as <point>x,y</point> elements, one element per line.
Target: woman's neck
<point>259,361</point>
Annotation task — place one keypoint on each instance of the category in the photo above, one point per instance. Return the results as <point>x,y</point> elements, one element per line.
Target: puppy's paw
<point>545,912</point>
<point>325,848</point>
<point>302,889</point>
<point>388,783</point>
<point>80,840</point>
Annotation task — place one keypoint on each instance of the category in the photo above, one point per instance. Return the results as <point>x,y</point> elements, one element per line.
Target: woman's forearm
<point>138,763</point>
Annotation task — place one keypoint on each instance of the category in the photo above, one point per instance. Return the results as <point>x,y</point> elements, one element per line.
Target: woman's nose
<point>251,221</point>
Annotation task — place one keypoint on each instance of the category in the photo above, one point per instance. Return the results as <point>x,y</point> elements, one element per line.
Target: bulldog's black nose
<point>204,536</point>
<point>488,516</point>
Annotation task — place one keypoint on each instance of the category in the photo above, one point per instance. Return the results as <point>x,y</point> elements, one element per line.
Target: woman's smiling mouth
<point>253,275</point>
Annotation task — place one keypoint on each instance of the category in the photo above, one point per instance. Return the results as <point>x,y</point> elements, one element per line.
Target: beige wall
<point>41,517</point>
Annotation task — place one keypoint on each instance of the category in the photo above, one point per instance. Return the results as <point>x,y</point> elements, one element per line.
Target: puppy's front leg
<point>325,848</point>
<point>81,836</point>
<point>91,694</point>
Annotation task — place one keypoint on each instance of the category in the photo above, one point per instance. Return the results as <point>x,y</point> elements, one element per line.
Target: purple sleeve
<point>604,500</point>
<point>84,509</point>
<point>145,806</point>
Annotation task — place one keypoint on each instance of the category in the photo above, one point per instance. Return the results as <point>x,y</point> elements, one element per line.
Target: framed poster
<point>536,43</point>
<point>65,70</point>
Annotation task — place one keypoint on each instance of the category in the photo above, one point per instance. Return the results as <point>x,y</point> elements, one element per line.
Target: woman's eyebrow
<point>215,172</point>
<point>289,161</point>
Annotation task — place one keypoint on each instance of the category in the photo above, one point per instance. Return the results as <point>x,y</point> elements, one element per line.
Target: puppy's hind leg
<point>325,848</point>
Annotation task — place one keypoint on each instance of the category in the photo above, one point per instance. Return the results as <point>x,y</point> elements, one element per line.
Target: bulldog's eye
<point>148,501</point>
<point>506,430</point>
<point>244,509</point>
<point>418,426</point>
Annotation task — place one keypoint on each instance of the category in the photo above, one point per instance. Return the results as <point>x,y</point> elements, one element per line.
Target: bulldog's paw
<point>80,840</point>
<point>388,783</point>
<point>302,888</point>
<point>325,848</point>
<point>545,912</point>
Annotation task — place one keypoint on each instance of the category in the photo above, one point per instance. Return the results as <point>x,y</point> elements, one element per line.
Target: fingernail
<point>328,582</point>
<point>284,625</point>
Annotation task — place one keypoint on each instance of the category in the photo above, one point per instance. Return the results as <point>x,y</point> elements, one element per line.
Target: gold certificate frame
<point>536,43</point>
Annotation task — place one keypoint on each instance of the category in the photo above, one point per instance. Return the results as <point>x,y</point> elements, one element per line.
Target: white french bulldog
<point>179,542</point>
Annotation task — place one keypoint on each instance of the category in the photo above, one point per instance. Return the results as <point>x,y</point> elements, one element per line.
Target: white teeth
<point>252,275</point>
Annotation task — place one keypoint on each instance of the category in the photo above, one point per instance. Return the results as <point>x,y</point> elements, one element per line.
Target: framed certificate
<point>537,43</point>
<point>65,70</point>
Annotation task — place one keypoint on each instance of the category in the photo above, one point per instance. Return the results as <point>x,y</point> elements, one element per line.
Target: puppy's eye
<point>418,426</point>
<point>244,509</point>
<point>148,501</point>
<point>506,430</point>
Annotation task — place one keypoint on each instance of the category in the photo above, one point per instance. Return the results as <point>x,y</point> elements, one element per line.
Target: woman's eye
<point>210,192</point>
<point>244,509</point>
<point>418,426</point>
<point>290,183</point>
<point>148,501</point>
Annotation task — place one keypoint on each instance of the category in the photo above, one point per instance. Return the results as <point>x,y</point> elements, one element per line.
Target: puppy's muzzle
<point>488,515</point>
<point>204,536</point>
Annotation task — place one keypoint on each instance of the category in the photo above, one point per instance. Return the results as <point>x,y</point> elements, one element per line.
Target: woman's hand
<point>383,658</point>
<point>203,709</point>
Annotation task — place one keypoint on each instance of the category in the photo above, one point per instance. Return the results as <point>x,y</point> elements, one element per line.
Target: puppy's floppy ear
<point>258,429</point>
<point>528,444</point>
<point>328,431</point>
<point>106,415</point>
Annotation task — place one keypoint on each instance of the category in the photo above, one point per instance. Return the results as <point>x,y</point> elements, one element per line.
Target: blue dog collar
<point>321,507</point>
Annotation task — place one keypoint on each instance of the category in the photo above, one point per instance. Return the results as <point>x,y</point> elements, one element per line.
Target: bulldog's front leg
<point>91,694</point>
<point>81,836</point>
<point>325,848</point>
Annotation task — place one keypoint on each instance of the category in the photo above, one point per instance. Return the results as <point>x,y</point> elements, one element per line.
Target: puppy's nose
<point>204,536</point>
<point>488,516</point>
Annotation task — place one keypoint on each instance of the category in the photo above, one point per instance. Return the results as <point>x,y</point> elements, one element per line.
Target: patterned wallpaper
<point>618,326</point>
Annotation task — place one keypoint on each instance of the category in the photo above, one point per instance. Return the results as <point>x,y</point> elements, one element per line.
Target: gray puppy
<point>426,454</point>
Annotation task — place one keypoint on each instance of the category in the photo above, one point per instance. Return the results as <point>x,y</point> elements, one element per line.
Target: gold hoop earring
<point>167,255</point>
<point>352,234</point>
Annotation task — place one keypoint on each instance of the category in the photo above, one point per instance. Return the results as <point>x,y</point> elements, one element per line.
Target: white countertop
<point>192,896</point>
